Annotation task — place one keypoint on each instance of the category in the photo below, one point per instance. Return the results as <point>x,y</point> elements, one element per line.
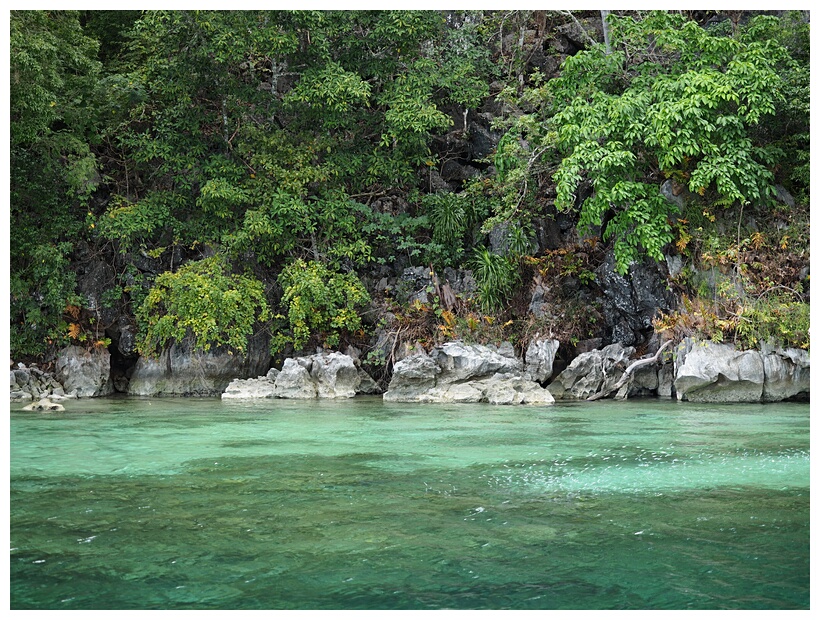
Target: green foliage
<point>320,302</point>
<point>202,300</point>
<point>41,286</point>
<point>686,109</point>
<point>776,319</point>
<point>496,276</point>
<point>52,76</point>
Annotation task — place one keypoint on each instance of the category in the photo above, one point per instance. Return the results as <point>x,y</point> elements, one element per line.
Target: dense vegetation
<point>246,172</point>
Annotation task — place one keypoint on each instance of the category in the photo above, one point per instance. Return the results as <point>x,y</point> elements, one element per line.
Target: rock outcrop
<point>592,372</point>
<point>785,374</point>
<point>85,373</point>
<point>706,371</point>
<point>539,359</point>
<point>459,373</point>
<point>31,383</point>
<point>182,371</point>
<point>324,375</point>
<point>44,404</point>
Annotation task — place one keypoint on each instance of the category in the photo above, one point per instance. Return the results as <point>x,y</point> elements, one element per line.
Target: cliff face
<point>446,205</point>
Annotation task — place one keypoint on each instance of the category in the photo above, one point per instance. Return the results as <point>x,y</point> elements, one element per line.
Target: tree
<point>53,74</point>
<point>672,100</point>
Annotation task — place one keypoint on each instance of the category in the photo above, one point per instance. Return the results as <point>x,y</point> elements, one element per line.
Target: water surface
<point>361,504</point>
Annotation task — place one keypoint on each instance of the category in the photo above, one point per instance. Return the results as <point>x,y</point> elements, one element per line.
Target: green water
<point>360,504</point>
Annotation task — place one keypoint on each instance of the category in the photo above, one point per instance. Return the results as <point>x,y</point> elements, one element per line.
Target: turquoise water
<point>360,504</point>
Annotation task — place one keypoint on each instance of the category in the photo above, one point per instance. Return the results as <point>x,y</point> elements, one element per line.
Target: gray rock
<point>44,405</point>
<point>86,373</point>
<point>323,375</point>
<point>709,372</point>
<point>539,302</point>
<point>632,301</point>
<point>666,381</point>
<point>458,373</point>
<point>511,389</point>
<point>461,362</point>
<point>784,196</point>
<point>787,373</point>
<point>182,371</point>
<point>241,389</point>
<point>413,284</point>
<point>539,358</point>
<point>591,372</point>
<point>413,376</point>
<point>294,381</point>
<point>366,384</point>
<point>94,279</point>
<point>335,375</point>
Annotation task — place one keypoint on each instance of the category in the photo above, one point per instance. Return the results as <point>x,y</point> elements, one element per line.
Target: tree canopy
<point>274,161</point>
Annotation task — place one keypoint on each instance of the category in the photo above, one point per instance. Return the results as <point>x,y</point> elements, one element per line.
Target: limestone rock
<point>786,374</point>
<point>412,377</point>
<point>294,381</point>
<point>335,375</point>
<point>709,372</point>
<point>458,373</point>
<point>461,362</point>
<point>591,372</point>
<point>240,389</point>
<point>85,373</point>
<point>44,405</point>
<point>539,358</point>
<point>183,371</point>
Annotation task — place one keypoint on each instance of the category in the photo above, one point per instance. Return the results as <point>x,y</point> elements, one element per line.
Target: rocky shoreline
<point>453,372</point>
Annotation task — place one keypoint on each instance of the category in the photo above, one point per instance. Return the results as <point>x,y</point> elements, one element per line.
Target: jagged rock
<point>461,362</point>
<point>413,376</point>
<point>644,382</point>
<point>182,371</point>
<point>632,301</point>
<point>786,374</point>
<point>294,381</point>
<point>511,389</point>
<point>85,373</point>
<point>482,139</point>
<point>783,195</point>
<point>591,372</point>
<point>241,389</point>
<point>44,405</point>
<point>539,358</point>
<point>461,281</point>
<point>666,381</point>
<point>539,302</point>
<point>709,372</point>
<point>366,384</point>
<point>335,375</point>
<point>94,279</point>
<point>324,375</point>
<point>458,373</point>
<point>413,284</point>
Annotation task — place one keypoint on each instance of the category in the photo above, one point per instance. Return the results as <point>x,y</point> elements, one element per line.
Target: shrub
<point>320,302</point>
<point>202,300</point>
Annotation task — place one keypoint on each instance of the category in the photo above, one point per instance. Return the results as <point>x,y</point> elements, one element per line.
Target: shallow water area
<point>360,504</point>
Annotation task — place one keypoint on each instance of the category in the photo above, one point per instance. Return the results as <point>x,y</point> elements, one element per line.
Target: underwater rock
<point>44,405</point>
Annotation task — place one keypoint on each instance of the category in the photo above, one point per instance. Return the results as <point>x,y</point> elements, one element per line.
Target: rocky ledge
<point>460,373</point>
<point>697,371</point>
<point>324,375</point>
